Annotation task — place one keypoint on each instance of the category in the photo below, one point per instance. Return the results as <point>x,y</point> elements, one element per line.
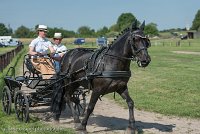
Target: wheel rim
<point>21,107</point>
<point>6,100</point>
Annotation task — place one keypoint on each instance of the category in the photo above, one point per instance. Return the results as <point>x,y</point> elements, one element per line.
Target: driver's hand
<point>51,55</point>
<point>39,54</point>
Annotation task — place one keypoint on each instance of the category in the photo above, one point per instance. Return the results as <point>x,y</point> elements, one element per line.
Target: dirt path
<point>186,52</point>
<point>110,118</point>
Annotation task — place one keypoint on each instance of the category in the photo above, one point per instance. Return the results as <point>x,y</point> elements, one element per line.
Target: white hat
<point>57,36</point>
<point>42,28</point>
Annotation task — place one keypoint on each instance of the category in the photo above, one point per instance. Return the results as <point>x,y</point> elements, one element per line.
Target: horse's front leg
<point>131,127</point>
<point>90,108</point>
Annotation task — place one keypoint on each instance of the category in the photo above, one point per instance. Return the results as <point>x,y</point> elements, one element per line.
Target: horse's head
<point>139,45</point>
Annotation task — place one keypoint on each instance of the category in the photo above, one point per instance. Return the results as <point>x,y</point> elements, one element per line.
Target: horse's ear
<point>142,26</point>
<point>134,25</point>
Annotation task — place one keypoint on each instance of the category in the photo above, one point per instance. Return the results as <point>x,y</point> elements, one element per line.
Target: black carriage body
<point>31,90</point>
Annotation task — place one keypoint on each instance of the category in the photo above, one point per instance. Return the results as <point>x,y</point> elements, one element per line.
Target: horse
<point>106,70</point>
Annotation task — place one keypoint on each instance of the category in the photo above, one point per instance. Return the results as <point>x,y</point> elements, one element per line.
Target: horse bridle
<point>131,38</point>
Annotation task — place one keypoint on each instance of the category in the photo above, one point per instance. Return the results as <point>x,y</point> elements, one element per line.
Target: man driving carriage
<point>38,49</point>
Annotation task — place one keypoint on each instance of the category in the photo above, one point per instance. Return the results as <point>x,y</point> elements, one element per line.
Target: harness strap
<point>118,57</point>
<point>115,74</point>
<point>109,74</point>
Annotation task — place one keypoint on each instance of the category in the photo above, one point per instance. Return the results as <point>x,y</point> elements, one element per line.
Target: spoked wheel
<point>6,100</point>
<point>21,106</point>
<point>79,102</point>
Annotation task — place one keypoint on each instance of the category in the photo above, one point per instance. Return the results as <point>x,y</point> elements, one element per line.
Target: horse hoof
<point>80,129</point>
<point>131,131</point>
<point>78,126</point>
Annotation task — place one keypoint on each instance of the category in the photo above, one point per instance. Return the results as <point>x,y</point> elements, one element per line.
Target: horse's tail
<point>57,98</point>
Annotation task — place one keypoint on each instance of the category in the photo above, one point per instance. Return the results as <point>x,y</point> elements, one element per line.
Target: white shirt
<point>60,49</point>
<point>41,45</point>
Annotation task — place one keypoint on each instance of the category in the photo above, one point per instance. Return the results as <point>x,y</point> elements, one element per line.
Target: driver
<point>39,47</point>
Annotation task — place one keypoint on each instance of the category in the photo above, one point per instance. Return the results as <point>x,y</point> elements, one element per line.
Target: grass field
<point>170,84</point>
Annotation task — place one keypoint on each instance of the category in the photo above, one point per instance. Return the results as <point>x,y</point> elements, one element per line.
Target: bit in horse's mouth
<point>142,63</point>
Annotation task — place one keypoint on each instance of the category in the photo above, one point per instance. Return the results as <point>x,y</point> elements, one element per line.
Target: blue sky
<point>72,14</point>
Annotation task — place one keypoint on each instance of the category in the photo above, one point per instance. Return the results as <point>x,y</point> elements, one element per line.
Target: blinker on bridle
<point>133,36</point>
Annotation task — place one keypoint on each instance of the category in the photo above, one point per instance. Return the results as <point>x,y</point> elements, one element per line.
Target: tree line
<point>123,21</point>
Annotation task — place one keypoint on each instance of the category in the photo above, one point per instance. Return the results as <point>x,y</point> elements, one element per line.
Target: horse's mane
<point>119,36</point>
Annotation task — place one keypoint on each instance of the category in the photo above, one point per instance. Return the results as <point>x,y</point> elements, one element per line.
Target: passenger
<point>40,47</point>
<point>60,50</point>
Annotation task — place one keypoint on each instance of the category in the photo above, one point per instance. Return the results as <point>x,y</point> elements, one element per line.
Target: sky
<point>72,14</point>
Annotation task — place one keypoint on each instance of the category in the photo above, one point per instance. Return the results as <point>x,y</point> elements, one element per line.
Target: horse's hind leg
<point>125,95</point>
<point>90,108</point>
<point>70,104</point>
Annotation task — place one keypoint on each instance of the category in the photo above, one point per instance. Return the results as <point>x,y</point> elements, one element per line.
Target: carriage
<point>31,90</point>
<point>103,71</point>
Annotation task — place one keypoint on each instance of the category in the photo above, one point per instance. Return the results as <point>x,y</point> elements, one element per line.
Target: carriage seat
<point>30,66</point>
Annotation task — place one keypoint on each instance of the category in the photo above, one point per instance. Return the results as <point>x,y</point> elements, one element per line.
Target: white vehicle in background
<point>9,41</point>
<point>13,42</point>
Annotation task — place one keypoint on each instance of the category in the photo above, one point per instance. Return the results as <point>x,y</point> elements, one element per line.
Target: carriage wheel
<point>6,100</point>
<point>79,102</point>
<point>21,106</point>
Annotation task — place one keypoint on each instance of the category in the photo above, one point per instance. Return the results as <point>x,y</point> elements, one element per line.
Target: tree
<point>114,28</point>
<point>196,21</point>
<point>151,29</point>
<point>65,33</point>
<point>22,32</point>
<point>102,31</point>
<point>125,20</point>
<point>4,30</point>
<point>85,31</point>
<point>112,34</point>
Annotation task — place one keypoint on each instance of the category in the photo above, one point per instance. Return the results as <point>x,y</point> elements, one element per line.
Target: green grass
<point>9,123</point>
<point>170,84</point>
<point>6,49</point>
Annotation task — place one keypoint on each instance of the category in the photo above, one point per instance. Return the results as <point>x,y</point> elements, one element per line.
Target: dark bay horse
<point>107,70</point>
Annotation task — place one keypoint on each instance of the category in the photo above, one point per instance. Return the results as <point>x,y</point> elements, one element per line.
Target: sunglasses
<point>57,39</point>
<point>42,31</point>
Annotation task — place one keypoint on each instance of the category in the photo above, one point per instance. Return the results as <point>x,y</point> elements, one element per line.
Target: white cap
<point>42,27</point>
<point>58,35</point>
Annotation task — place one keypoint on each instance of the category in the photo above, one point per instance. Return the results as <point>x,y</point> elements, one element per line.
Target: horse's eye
<point>148,43</point>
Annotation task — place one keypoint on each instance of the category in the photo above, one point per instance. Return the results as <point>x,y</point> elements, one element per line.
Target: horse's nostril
<point>145,63</point>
